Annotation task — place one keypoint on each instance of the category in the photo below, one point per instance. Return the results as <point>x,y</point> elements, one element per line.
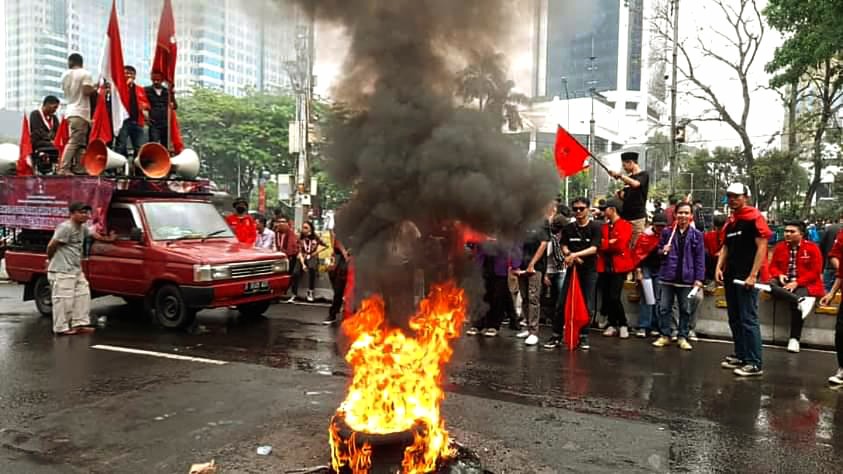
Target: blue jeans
<point>588,284</point>
<point>742,307</point>
<point>828,277</point>
<point>130,131</point>
<point>669,293</point>
<point>648,316</point>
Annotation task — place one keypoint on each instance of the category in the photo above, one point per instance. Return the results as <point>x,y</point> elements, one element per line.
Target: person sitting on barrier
<point>796,271</point>
<point>43,126</point>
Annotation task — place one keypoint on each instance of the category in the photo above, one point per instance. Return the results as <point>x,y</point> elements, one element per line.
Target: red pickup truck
<point>174,253</point>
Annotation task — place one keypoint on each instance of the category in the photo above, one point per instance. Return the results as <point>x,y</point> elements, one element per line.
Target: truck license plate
<point>256,287</point>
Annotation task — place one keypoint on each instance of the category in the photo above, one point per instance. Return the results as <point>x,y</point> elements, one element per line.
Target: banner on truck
<point>40,203</point>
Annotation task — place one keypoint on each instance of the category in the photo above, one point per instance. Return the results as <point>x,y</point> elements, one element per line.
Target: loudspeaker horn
<point>186,164</point>
<point>153,160</point>
<point>98,158</point>
<point>9,153</point>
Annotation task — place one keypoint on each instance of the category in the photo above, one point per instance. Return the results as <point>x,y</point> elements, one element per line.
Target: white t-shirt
<point>78,104</point>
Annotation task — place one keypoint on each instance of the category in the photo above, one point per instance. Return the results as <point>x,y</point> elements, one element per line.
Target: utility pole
<point>673,144</point>
<point>300,72</point>
<point>567,125</point>
<point>592,124</point>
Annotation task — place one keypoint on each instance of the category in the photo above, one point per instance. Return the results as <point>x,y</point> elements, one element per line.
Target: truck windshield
<point>185,220</point>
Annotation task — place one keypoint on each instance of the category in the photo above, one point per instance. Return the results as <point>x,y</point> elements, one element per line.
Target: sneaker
<point>522,323</point>
<point>793,345</point>
<point>553,342</point>
<point>749,370</point>
<point>684,344</point>
<point>642,333</point>
<point>310,296</point>
<point>806,305</point>
<point>624,332</point>
<point>472,331</point>
<point>491,332</point>
<point>602,322</point>
<point>610,331</point>
<point>531,340</point>
<point>655,333</point>
<point>661,341</point>
<point>522,334</point>
<point>731,362</point>
<point>692,335</point>
<point>836,380</point>
<point>329,320</point>
<point>84,329</point>
<point>292,299</point>
<point>584,345</point>
<point>674,338</point>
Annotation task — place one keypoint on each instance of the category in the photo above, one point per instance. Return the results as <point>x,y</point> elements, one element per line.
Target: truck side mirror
<point>136,235</point>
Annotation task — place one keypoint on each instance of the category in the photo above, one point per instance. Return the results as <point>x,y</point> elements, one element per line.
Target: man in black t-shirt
<point>634,193</point>
<point>580,240</point>
<point>744,251</point>
<point>530,273</point>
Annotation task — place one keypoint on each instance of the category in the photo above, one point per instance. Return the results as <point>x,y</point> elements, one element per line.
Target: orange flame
<point>397,382</point>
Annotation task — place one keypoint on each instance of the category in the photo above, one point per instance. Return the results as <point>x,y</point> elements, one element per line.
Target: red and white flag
<point>24,167</point>
<point>111,69</point>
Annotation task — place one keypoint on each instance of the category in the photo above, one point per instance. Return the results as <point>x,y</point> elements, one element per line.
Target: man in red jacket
<point>242,224</point>
<point>796,272</point>
<point>615,262</point>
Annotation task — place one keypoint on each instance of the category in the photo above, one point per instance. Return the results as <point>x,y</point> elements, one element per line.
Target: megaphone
<point>154,160</point>
<point>98,158</point>
<point>185,164</point>
<point>9,153</point>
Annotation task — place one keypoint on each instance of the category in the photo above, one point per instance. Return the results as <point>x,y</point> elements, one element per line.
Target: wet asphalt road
<point>621,407</point>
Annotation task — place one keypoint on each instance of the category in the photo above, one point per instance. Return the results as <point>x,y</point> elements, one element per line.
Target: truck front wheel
<point>169,308</point>
<point>43,295</point>
<point>254,310</point>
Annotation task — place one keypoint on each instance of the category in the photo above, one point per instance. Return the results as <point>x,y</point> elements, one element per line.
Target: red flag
<point>569,154</point>
<point>111,69</point>
<point>175,133</point>
<point>100,125</point>
<point>62,136</point>
<point>24,167</point>
<point>166,50</point>
<point>646,243</point>
<point>576,311</point>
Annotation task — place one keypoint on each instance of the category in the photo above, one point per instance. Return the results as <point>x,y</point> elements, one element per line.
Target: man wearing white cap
<point>741,259</point>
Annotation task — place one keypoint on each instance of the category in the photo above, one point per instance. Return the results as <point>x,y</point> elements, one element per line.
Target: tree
<point>225,130</point>
<point>810,55</point>
<point>485,82</point>
<point>743,37</point>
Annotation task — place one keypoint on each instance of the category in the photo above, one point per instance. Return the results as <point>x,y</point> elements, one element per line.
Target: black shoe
<point>553,342</point>
<point>749,371</point>
<point>584,345</point>
<point>331,319</point>
<point>731,362</point>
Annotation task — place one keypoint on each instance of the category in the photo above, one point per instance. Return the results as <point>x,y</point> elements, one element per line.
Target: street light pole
<point>592,124</point>
<point>567,124</point>
<point>673,145</point>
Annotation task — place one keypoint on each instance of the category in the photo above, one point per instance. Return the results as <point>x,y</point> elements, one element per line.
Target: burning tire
<point>43,295</point>
<point>169,309</point>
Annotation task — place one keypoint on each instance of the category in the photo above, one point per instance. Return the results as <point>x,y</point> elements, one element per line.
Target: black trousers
<point>792,298</point>
<point>611,290</point>
<point>500,302</point>
<point>339,279</point>
<point>158,134</point>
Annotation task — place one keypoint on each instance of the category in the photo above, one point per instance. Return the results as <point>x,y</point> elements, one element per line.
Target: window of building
<point>632,106</point>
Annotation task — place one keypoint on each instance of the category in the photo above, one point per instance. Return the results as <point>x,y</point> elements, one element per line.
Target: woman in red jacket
<point>796,272</point>
<point>615,262</point>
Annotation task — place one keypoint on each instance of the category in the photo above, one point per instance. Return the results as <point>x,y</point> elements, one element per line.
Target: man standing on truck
<point>242,224</point>
<point>43,125</point>
<point>71,294</point>
<point>78,85</point>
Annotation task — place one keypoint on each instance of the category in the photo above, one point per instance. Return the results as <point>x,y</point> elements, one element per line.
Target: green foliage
<point>224,129</point>
<point>485,82</point>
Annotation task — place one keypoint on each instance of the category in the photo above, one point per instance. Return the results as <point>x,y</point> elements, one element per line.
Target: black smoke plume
<point>408,150</point>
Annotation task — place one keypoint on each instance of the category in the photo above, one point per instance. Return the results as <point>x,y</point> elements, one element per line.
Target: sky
<point>696,17</point>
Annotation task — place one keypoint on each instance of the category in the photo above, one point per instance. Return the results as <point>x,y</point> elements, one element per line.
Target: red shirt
<point>809,265</point>
<point>713,242</point>
<point>618,252</point>
<point>287,242</point>
<point>244,227</point>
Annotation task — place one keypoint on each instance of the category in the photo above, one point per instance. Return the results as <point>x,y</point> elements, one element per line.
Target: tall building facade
<point>234,46</point>
<point>601,46</point>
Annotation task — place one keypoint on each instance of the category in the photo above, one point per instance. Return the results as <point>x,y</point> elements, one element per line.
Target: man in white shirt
<point>78,85</point>
<point>266,237</point>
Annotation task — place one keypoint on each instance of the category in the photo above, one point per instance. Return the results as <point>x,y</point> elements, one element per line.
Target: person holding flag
<point>160,102</point>
<point>744,252</point>
<point>579,241</point>
<point>634,193</point>
<point>132,129</point>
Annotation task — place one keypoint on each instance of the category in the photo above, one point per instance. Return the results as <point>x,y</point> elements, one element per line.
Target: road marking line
<point>164,355</point>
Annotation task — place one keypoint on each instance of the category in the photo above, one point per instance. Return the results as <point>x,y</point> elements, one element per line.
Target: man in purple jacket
<point>682,270</point>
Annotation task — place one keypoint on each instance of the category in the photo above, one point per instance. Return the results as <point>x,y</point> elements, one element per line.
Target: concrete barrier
<point>774,316</point>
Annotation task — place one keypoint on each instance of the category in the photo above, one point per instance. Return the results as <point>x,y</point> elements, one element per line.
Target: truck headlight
<point>202,273</point>
<point>280,266</point>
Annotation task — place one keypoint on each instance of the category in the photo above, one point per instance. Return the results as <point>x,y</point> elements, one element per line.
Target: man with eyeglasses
<point>744,251</point>
<point>796,271</point>
<point>580,240</point>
